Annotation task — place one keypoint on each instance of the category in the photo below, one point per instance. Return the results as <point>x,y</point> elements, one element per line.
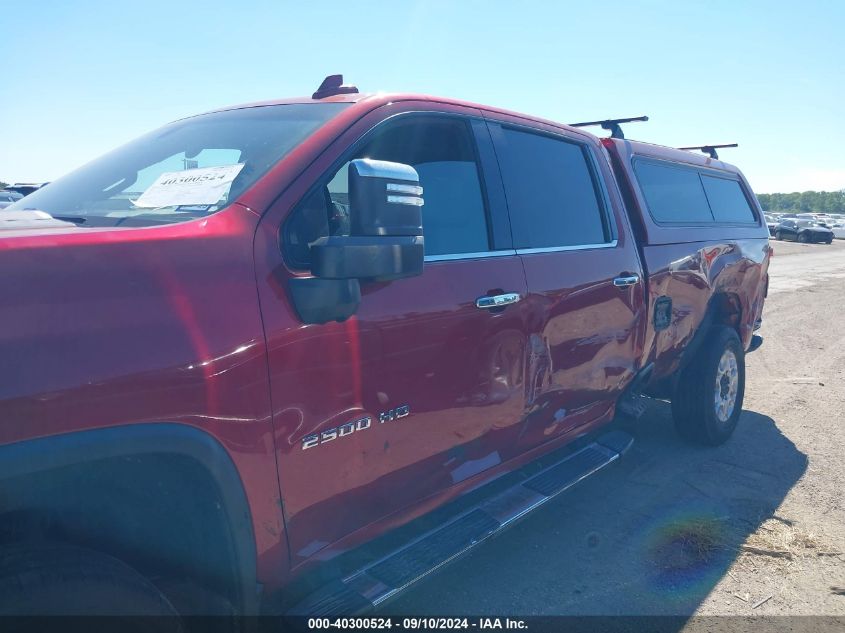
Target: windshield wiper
<point>30,218</point>
<point>65,218</point>
<point>71,218</point>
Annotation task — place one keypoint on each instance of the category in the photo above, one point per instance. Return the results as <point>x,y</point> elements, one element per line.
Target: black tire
<point>53,579</point>
<point>778,236</point>
<point>190,599</point>
<point>694,408</point>
<point>802,237</point>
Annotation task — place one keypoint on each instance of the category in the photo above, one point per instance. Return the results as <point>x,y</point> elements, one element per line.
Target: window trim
<point>363,140</point>
<point>608,220</point>
<point>699,171</point>
<point>574,247</point>
<point>476,255</point>
<point>612,230</point>
<point>520,251</point>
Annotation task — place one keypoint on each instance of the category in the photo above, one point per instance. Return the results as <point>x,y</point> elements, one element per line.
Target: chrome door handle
<point>624,282</point>
<point>497,301</point>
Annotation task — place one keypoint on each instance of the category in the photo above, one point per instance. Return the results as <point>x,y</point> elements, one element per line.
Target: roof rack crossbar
<point>611,124</point>
<point>710,150</point>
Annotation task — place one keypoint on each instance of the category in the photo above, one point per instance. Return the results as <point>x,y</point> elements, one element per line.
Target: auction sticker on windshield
<point>204,186</point>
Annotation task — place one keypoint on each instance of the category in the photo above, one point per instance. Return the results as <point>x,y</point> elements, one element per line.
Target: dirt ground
<point>754,527</point>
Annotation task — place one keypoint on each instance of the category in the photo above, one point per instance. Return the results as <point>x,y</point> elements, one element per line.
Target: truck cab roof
<point>372,100</point>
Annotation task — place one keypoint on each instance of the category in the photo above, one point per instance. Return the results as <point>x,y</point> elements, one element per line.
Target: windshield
<point>181,171</point>
<point>806,223</point>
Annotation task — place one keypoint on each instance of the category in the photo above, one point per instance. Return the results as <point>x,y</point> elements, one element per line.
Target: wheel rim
<point>727,386</point>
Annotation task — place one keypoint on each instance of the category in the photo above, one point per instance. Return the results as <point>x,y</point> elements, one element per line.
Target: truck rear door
<point>585,281</point>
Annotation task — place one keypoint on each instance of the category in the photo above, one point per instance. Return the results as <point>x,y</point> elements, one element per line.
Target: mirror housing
<point>384,198</point>
<point>385,226</point>
<point>367,258</point>
<point>385,241</point>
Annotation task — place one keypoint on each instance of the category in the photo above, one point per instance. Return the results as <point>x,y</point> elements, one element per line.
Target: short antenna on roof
<point>611,124</point>
<point>710,150</point>
<point>333,85</point>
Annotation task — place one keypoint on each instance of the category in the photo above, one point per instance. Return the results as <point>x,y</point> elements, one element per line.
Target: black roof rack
<point>333,85</point>
<point>611,124</point>
<point>710,150</point>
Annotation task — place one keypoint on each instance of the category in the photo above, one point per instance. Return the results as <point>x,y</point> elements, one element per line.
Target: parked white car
<point>8,197</point>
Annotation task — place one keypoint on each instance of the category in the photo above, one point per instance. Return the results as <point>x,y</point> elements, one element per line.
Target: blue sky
<point>82,77</point>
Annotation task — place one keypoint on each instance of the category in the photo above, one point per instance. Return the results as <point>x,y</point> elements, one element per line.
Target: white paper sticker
<point>189,187</point>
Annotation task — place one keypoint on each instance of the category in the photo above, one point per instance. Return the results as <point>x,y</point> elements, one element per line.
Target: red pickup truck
<point>242,350</point>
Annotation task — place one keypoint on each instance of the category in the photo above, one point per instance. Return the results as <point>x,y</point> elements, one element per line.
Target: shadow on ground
<point>651,535</point>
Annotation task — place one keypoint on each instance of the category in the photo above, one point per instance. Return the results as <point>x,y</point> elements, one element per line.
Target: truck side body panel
<point>105,328</point>
<point>735,269</point>
<point>697,267</point>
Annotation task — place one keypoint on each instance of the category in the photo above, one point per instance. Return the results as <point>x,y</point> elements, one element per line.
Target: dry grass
<point>777,544</point>
<point>783,545</point>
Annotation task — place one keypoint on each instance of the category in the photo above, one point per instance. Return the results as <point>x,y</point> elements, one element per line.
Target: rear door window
<point>552,192</point>
<point>727,201</point>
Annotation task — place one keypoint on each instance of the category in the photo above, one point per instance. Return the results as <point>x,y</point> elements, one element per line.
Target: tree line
<point>804,201</point>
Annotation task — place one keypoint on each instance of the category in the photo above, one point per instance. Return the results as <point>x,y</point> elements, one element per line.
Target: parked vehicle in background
<point>822,219</point>
<point>24,188</point>
<point>803,231</point>
<point>278,355</point>
<point>838,230</point>
<point>771,223</point>
<point>8,197</point>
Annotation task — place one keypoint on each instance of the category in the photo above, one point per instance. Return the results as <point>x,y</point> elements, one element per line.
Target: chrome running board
<point>387,576</point>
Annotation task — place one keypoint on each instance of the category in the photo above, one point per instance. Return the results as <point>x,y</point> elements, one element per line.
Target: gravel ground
<point>753,527</point>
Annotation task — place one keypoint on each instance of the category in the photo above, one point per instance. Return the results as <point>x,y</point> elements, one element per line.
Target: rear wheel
<point>53,579</point>
<point>707,401</point>
<point>778,235</point>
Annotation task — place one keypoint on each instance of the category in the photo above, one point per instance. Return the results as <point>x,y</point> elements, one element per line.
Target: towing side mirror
<point>384,241</point>
<point>385,238</point>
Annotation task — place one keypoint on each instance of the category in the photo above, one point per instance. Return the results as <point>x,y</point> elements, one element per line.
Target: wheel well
<point>166,514</point>
<point>726,310</point>
<point>158,513</point>
<point>723,310</point>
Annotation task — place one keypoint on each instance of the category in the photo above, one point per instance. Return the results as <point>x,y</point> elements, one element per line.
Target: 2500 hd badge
<point>361,424</point>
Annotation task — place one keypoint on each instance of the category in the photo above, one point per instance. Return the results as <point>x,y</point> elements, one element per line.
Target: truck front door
<point>404,399</point>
